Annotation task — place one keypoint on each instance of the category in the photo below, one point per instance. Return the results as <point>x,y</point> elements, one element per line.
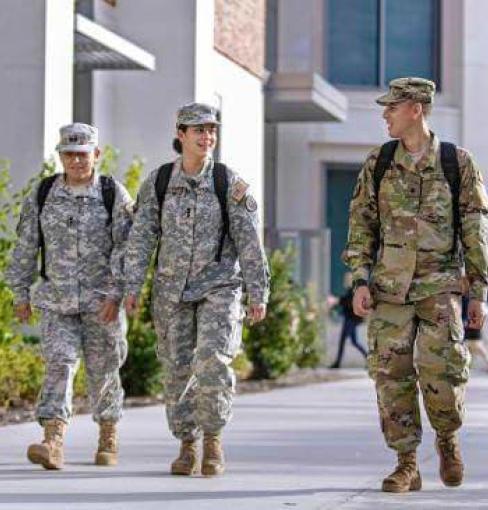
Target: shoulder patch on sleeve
<point>239,189</point>
<point>251,204</point>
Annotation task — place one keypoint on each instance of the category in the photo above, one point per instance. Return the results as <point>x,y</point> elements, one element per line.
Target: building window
<point>370,42</point>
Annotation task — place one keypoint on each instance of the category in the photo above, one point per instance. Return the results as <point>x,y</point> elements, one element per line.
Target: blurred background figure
<point>474,337</point>
<point>350,322</point>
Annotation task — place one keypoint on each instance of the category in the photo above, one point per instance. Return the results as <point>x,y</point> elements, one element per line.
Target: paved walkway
<point>313,447</point>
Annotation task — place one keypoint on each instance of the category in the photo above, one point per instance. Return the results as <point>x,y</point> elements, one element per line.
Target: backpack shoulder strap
<point>450,167</point>
<point>42,192</point>
<point>108,195</point>
<point>161,185</point>
<point>385,157</point>
<point>221,185</point>
<point>383,162</point>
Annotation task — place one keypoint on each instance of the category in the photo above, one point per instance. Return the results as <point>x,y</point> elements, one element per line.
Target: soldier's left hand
<point>109,311</point>
<point>256,312</point>
<point>476,314</point>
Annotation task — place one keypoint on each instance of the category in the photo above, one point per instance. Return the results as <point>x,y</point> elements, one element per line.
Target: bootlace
<point>107,438</point>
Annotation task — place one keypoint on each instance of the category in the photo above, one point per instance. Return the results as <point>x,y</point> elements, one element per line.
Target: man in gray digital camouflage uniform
<point>407,250</point>
<point>198,284</point>
<point>79,294</point>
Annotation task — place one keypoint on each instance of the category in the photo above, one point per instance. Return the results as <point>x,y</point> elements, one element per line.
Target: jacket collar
<point>429,159</point>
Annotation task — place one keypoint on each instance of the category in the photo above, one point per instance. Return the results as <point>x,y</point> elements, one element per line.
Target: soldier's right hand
<point>23,312</point>
<point>361,302</point>
<point>130,304</point>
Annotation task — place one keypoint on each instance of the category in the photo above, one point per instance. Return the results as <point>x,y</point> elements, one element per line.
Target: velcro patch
<point>251,204</point>
<point>239,189</point>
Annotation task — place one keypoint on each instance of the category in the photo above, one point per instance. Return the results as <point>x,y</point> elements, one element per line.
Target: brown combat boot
<point>107,444</point>
<point>451,466</point>
<point>49,453</point>
<point>406,476</point>
<point>187,461</point>
<point>213,456</point>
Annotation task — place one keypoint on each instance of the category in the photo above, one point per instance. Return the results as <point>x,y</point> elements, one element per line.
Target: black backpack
<point>221,186</point>
<point>108,194</point>
<point>450,167</point>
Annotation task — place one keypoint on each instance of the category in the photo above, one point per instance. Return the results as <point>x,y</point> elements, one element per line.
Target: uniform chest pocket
<point>392,198</point>
<point>436,199</point>
<point>209,209</point>
<point>93,218</point>
<point>56,218</point>
<point>171,210</point>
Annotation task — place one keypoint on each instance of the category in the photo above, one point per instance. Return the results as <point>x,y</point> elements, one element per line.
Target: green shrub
<point>22,372</point>
<point>142,372</point>
<point>289,336</point>
<point>310,329</point>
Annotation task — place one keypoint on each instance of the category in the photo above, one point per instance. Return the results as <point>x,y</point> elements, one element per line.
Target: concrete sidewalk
<point>313,447</point>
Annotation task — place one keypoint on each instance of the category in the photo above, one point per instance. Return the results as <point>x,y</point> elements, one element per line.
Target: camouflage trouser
<point>103,347</point>
<point>442,359</point>
<point>196,344</point>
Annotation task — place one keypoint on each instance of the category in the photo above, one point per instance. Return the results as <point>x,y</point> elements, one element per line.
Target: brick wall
<point>239,32</point>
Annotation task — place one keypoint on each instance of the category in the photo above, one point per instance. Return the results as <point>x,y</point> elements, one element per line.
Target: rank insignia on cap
<point>251,204</point>
<point>239,189</point>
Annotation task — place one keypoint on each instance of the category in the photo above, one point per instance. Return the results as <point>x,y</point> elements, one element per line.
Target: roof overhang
<point>99,48</point>
<point>303,97</point>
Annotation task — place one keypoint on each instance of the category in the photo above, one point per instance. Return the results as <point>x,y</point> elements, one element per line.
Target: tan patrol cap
<point>419,90</point>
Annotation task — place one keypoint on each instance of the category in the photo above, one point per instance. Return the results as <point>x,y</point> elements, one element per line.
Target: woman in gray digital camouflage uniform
<point>209,248</point>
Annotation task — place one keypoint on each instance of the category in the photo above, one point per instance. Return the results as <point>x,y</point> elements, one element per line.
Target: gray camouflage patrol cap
<point>78,137</point>
<point>419,90</point>
<point>194,114</point>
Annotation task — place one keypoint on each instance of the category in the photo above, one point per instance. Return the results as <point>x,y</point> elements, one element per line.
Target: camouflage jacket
<point>415,259</point>
<point>191,226</point>
<point>84,255</point>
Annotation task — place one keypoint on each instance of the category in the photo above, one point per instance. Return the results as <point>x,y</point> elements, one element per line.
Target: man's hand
<point>131,305</point>
<point>476,314</point>
<point>23,312</point>
<point>109,311</point>
<point>361,302</point>
<point>256,313</point>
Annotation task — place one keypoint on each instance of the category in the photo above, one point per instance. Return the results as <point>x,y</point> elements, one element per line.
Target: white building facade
<point>126,66</point>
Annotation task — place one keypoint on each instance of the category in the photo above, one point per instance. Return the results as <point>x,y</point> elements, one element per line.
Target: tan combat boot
<point>187,461</point>
<point>406,476</point>
<point>213,456</point>
<point>451,464</point>
<point>107,444</point>
<point>49,453</point>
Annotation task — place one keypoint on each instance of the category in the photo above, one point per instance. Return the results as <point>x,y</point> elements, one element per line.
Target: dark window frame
<point>381,69</point>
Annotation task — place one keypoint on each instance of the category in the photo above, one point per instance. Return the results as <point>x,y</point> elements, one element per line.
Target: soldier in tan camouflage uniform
<point>79,293</point>
<point>197,292</point>
<point>412,284</point>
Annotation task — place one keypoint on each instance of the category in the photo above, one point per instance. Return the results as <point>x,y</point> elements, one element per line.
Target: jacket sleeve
<point>363,223</point>
<point>244,231</point>
<point>121,224</point>
<point>473,212</point>
<point>22,269</point>
<point>143,237</point>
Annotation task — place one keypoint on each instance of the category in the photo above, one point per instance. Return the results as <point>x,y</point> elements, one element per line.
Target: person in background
<point>349,324</point>
<point>473,337</point>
